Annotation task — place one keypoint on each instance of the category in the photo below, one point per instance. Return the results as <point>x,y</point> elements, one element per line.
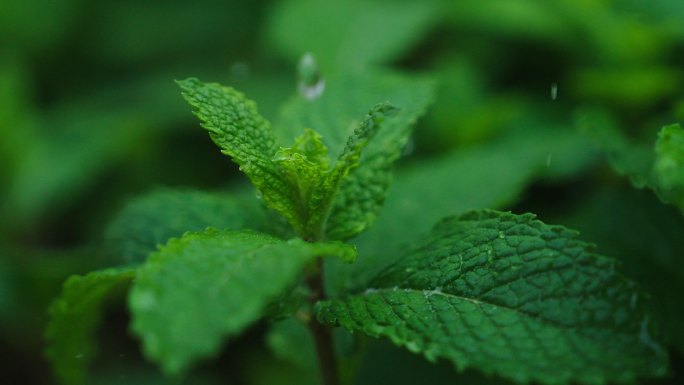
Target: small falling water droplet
<point>554,91</point>
<point>79,356</point>
<point>548,160</point>
<point>646,339</point>
<point>259,194</point>
<point>409,148</point>
<point>633,301</point>
<point>311,84</point>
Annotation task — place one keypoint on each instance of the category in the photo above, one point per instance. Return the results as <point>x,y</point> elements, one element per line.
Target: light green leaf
<point>303,167</point>
<point>235,125</point>
<point>204,287</point>
<point>151,220</point>
<point>74,318</point>
<point>335,115</point>
<point>509,295</point>
<point>350,34</point>
<point>348,160</point>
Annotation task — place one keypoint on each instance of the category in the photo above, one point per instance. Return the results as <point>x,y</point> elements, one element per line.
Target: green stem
<point>321,333</point>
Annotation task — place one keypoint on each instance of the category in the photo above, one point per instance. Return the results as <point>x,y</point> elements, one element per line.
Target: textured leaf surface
<point>336,114</point>
<point>74,317</point>
<point>203,287</point>
<point>235,125</point>
<point>509,295</point>
<point>153,219</point>
<point>647,237</point>
<point>349,34</point>
<point>491,175</point>
<point>333,184</point>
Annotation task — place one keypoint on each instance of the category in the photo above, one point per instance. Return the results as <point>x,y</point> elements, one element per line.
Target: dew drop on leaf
<point>310,84</point>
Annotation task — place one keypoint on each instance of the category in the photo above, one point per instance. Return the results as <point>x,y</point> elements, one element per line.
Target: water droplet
<point>409,148</point>
<point>412,346</point>
<point>633,301</point>
<point>259,194</point>
<point>410,269</point>
<point>645,337</point>
<point>554,91</point>
<point>548,160</point>
<point>79,356</point>
<point>310,84</point>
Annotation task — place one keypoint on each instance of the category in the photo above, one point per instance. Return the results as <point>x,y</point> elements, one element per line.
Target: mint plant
<point>499,292</point>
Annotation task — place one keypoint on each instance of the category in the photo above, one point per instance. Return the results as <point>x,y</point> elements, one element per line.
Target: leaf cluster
<point>503,293</point>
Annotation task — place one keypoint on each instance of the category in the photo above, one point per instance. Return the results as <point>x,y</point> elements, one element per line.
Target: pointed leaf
<point>204,287</point>
<point>303,166</point>
<point>349,159</point>
<point>510,295</point>
<point>335,115</point>
<point>74,318</point>
<point>235,125</point>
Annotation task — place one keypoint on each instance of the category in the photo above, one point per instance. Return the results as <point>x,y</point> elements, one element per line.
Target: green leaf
<point>509,295</point>
<point>647,237</point>
<point>303,166</point>
<point>74,318</point>
<point>348,160</point>
<point>152,219</point>
<point>350,34</point>
<point>493,174</point>
<point>235,125</point>
<point>204,287</point>
<point>668,167</point>
<point>660,169</point>
<point>335,115</point>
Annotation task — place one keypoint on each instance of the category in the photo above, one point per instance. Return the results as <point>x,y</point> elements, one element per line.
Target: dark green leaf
<point>510,295</point>
<point>491,175</point>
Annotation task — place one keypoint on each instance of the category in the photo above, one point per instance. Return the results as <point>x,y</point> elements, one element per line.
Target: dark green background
<point>90,117</point>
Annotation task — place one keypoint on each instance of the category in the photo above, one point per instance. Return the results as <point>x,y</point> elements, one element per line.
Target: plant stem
<point>321,333</point>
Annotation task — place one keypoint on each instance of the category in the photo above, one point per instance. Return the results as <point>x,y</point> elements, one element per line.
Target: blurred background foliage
<point>90,117</point>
